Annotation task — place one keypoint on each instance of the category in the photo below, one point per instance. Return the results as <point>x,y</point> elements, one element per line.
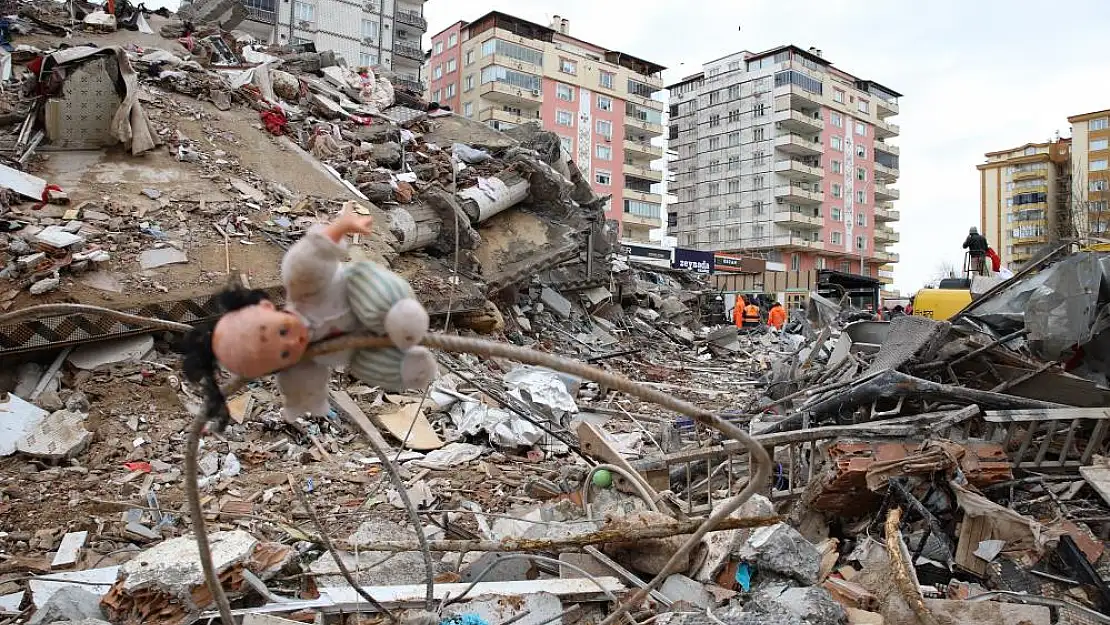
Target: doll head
<point>258,340</point>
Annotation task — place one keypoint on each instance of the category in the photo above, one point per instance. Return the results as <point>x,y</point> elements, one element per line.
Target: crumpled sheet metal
<point>544,387</point>
<point>504,428</point>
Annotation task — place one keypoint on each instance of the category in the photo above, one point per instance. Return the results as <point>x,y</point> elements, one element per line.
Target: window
<point>861,243</point>
<point>837,238</point>
<point>604,103</point>
<point>837,143</point>
<point>861,197</point>
<point>734,117</point>
<point>734,186</point>
<point>734,138</point>
<point>304,12</point>
<point>861,129</point>
<point>837,190</point>
<point>757,207</point>
<point>564,92</point>
<point>605,79</point>
<point>836,119</point>
<point>714,143</point>
<point>468,83</point>
<point>732,234</point>
<point>469,57</point>
<point>837,167</point>
<point>861,219</point>
<point>714,120</point>
<point>370,30</point>
<point>451,90</point>
<point>452,40</point>
<point>564,118</point>
<point>733,163</point>
<point>734,92</point>
<point>835,213</point>
<point>757,182</point>
<point>714,189</point>
<point>714,97</point>
<point>759,157</point>
<point>861,151</point>
<point>1098,124</point>
<point>846,266</point>
<point>795,262</point>
<point>605,128</point>
<point>864,105</point>
<point>838,96</point>
<point>367,59</point>
<point>452,65</point>
<point>1098,185</point>
<point>758,134</point>
<point>1098,144</point>
<point>714,213</point>
<point>568,66</point>
<point>759,110</point>
<point>567,143</point>
<point>714,236</point>
<point>861,174</point>
<point>435,96</point>
<point>603,177</point>
<point>799,79</point>
<point>438,48</point>
<point>468,109</point>
<point>757,232</point>
<point>512,50</point>
<point>605,152</point>
<point>715,166</point>
<point>734,211</point>
<point>437,73</point>
<point>1099,165</point>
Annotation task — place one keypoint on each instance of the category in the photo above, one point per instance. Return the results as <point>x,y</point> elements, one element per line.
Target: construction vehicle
<point>948,297</point>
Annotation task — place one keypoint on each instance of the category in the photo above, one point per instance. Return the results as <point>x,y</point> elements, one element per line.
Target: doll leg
<point>394,370</point>
<point>305,388</point>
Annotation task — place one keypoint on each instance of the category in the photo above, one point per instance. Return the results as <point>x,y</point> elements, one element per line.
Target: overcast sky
<point>977,76</point>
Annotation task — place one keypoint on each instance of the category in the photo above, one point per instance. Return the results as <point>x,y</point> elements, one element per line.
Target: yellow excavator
<point>947,298</point>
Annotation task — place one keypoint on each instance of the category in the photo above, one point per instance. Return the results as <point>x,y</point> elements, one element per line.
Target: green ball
<point>603,479</point>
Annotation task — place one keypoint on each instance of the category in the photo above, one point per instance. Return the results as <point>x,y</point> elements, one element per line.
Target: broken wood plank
<point>973,530</point>
<point>1099,479</point>
<point>1040,414</point>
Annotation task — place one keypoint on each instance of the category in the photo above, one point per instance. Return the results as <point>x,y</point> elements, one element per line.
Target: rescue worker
<point>777,317</point>
<point>738,311</point>
<point>751,316</point>
<point>977,246</point>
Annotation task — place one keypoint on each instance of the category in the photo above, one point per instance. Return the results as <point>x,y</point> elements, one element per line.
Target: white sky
<point>978,76</point>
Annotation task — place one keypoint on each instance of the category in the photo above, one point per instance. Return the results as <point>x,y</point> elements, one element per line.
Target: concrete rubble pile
<point>964,461</point>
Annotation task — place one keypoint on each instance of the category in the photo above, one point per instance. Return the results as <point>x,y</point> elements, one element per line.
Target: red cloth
<point>996,260</point>
<point>46,195</point>
<point>275,121</point>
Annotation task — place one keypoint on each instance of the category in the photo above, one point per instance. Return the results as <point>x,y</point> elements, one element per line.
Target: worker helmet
<point>974,230</point>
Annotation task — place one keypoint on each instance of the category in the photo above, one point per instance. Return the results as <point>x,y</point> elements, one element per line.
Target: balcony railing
<point>411,85</point>
<point>408,50</point>
<point>412,19</point>
<point>640,147</point>
<point>792,168</point>
<point>261,15</point>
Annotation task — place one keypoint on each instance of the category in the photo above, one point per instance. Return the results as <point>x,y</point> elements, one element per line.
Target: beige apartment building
<point>1024,199</point>
<point>506,71</point>
<point>1090,135</point>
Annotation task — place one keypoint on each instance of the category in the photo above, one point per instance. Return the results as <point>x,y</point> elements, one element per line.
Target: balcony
<point>798,145</point>
<point>883,146</point>
<point>887,235</point>
<point>885,108</point>
<point>884,273</point>
<point>653,198</point>
<point>641,220</point>
<point>261,15</point>
<point>797,97</point>
<point>408,50</point>
<point>798,219</point>
<point>1029,174</point>
<point>798,170</point>
<point>639,124</point>
<point>883,213</point>
<point>639,171</point>
<point>643,149</point>
<point>796,121</point>
<point>886,130</point>
<point>799,194</point>
<point>411,18</point>
<point>884,193</point>
<point>886,174</point>
<point>411,85</point>
<point>887,257</point>
<point>508,94</point>
<point>525,117</point>
<point>509,63</point>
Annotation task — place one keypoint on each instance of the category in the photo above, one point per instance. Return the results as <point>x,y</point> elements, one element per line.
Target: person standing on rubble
<point>751,316</point>
<point>738,311</point>
<point>977,246</point>
<point>777,317</point>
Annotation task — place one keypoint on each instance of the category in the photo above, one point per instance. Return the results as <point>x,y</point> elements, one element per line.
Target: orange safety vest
<point>777,317</point>
<point>751,313</point>
<point>738,311</point>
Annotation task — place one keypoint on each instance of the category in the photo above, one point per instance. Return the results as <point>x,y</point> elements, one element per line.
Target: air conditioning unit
<point>536,92</point>
<point>369,41</point>
<point>304,24</point>
<point>778,200</point>
<point>371,7</point>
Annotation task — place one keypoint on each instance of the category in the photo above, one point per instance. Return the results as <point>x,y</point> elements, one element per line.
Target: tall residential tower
<point>506,71</point>
<point>783,155</point>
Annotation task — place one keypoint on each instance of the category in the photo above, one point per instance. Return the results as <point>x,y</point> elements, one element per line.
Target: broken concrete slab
<point>68,604</point>
<point>70,549</point>
<point>17,419</point>
<point>9,604</point>
<point>95,581</point>
<point>97,355</point>
<point>556,302</point>
<point>678,587</point>
<point>152,259</point>
<point>781,549</point>
<point>452,129</point>
<point>58,237</point>
<point>59,436</point>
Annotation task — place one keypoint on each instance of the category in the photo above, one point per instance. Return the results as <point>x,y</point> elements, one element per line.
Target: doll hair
<point>200,360</point>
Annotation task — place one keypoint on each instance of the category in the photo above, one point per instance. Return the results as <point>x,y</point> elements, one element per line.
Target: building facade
<point>366,33</point>
<point>1024,196</point>
<point>505,71</point>
<point>783,155</point>
<point>1090,178</point>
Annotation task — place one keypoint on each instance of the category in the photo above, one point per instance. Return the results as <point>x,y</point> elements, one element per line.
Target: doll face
<point>259,340</point>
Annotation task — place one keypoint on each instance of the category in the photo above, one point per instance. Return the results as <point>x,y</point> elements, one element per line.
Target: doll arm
<point>310,265</point>
<point>304,388</point>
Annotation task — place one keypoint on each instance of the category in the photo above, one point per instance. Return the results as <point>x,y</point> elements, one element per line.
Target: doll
<point>326,297</point>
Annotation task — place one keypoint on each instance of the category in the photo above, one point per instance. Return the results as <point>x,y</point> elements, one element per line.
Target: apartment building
<point>782,155</point>
<point>1090,178</point>
<point>1024,196</point>
<point>369,33</point>
<point>506,71</point>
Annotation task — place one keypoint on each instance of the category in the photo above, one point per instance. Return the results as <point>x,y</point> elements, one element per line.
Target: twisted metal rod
<point>759,472</point>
